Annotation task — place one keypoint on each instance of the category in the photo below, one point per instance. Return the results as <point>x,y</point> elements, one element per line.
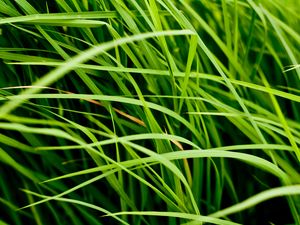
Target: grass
<point>149,112</point>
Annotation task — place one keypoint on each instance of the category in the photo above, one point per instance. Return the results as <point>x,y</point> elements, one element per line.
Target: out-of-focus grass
<point>149,112</point>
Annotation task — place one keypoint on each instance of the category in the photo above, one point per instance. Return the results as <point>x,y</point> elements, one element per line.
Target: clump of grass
<point>149,112</point>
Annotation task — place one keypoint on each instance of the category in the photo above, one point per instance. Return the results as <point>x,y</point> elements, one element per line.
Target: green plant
<point>149,112</point>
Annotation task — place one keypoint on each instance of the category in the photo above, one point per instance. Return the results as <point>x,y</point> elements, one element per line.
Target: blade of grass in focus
<point>149,112</point>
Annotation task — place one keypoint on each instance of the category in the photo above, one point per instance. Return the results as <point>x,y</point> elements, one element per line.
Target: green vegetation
<point>149,112</point>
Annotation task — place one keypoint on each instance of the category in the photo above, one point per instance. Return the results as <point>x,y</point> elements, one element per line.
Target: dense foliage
<point>149,112</point>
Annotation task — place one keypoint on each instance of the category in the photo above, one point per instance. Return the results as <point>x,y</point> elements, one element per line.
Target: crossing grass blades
<point>149,112</point>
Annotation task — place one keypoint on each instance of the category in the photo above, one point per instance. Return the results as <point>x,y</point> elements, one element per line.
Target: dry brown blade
<point>132,118</point>
<point>175,142</point>
<point>185,161</point>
